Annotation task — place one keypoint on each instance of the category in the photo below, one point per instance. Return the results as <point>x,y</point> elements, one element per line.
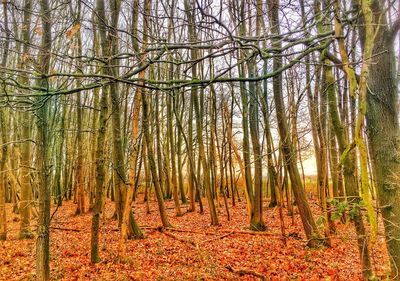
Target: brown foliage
<point>192,250</point>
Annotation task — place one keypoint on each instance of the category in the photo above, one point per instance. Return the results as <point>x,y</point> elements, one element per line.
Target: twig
<point>228,231</point>
<point>248,232</point>
<point>162,230</point>
<point>185,230</point>
<point>242,271</point>
<point>251,232</point>
<point>216,238</point>
<point>55,211</point>
<point>66,229</point>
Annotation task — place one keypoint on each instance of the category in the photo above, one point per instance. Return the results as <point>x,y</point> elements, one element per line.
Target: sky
<point>310,167</point>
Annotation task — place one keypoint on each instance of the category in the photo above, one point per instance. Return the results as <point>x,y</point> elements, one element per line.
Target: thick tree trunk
<point>384,132</point>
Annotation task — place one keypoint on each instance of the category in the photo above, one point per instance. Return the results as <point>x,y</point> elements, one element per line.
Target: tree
<point>152,161</point>
<point>43,230</point>
<point>100,152</point>
<point>26,197</point>
<point>383,130</point>
<point>309,225</point>
<point>170,87</point>
<point>3,131</point>
<point>199,130</point>
<point>80,188</point>
<point>257,222</point>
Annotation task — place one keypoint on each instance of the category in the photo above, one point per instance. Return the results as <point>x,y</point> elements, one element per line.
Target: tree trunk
<point>383,129</point>
<point>257,222</point>
<point>42,148</point>
<point>3,181</point>
<point>199,129</point>
<point>25,163</point>
<point>101,139</point>
<point>348,173</point>
<point>152,161</point>
<point>307,219</point>
<point>79,180</point>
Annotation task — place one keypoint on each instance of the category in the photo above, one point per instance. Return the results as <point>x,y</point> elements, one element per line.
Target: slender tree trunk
<point>25,163</point>
<point>132,176</point>
<point>175,191</point>
<point>199,129</point>
<point>127,215</point>
<point>348,173</point>
<point>191,163</point>
<point>101,139</point>
<point>42,148</point>
<point>179,148</point>
<point>95,121</point>
<point>147,176</point>
<point>272,173</point>
<point>161,175</point>
<point>3,181</point>
<point>79,181</point>
<point>227,115</point>
<point>257,222</point>
<point>307,219</point>
<point>152,162</point>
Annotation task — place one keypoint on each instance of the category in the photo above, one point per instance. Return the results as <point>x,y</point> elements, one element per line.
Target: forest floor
<point>203,253</point>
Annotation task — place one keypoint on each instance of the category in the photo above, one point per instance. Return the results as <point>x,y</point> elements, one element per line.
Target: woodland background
<point>136,134</point>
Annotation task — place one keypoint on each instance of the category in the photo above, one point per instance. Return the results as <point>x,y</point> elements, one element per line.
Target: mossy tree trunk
<point>382,122</point>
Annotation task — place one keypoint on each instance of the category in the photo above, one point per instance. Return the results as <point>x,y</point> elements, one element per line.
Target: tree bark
<point>42,149</point>
<point>152,162</point>
<point>307,219</point>
<point>25,163</point>
<point>383,127</point>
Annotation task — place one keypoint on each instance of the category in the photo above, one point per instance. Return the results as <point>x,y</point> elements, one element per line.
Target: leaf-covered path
<point>194,250</point>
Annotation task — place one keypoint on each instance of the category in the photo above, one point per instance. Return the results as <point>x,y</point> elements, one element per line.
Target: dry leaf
<point>73,30</point>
